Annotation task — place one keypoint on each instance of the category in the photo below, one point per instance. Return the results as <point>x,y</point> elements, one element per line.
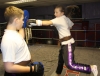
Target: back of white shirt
<point>14,47</point>
<point>63,25</point>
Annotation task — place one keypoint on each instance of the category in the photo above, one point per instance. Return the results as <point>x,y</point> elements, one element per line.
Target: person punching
<point>63,24</point>
<point>71,11</point>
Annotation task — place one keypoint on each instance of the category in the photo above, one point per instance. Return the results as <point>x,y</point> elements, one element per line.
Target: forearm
<point>34,22</point>
<point>10,67</point>
<point>22,33</point>
<point>18,69</point>
<point>46,23</point>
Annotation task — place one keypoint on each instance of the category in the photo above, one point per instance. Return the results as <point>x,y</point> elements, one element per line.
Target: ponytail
<point>72,11</point>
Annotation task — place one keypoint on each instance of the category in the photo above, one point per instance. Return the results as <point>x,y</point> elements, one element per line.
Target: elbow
<point>50,23</point>
<point>8,67</point>
<point>8,70</point>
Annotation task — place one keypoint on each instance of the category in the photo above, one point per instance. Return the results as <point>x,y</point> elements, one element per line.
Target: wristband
<point>39,22</point>
<point>30,68</point>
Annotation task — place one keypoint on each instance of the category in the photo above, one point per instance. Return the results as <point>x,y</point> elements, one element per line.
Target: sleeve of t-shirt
<point>70,23</point>
<point>55,21</point>
<point>8,51</point>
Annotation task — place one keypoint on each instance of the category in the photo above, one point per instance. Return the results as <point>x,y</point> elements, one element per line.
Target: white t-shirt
<point>14,48</point>
<point>63,25</point>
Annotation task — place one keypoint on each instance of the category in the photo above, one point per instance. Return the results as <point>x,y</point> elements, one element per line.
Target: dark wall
<point>40,12</point>
<point>89,10</point>
<point>2,15</point>
<point>35,12</point>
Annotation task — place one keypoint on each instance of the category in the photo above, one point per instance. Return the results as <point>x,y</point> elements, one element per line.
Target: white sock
<point>94,70</point>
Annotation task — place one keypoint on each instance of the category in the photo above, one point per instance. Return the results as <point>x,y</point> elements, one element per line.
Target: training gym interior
<point>43,41</point>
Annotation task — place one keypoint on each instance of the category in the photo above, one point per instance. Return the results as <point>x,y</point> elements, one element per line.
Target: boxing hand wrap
<point>39,22</point>
<point>34,22</point>
<point>38,67</point>
<point>30,68</point>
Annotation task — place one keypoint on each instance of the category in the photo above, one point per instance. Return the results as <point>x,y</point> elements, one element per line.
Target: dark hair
<point>72,11</point>
<point>62,8</point>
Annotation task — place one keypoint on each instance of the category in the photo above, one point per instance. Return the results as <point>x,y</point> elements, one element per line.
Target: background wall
<point>89,10</point>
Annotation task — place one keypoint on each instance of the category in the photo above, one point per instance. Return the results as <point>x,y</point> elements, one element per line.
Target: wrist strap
<point>39,22</point>
<point>30,68</point>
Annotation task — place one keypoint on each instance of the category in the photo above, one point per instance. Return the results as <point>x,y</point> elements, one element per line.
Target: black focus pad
<point>38,69</point>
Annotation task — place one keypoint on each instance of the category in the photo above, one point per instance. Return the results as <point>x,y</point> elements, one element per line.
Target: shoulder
<point>8,40</point>
<point>58,18</point>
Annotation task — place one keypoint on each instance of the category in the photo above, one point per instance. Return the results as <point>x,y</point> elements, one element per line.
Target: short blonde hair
<point>12,12</point>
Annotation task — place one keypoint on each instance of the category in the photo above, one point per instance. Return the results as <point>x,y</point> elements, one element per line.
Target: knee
<point>70,66</point>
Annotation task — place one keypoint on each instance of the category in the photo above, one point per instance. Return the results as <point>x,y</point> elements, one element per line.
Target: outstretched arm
<point>45,23</point>
<point>34,22</point>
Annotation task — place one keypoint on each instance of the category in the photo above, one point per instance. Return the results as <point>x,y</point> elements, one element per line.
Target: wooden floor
<point>48,55</point>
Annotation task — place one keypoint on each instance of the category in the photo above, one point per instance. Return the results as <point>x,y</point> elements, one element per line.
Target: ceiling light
<point>19,1</point>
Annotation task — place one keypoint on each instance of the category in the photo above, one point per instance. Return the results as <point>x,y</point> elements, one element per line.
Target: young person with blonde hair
<point>15,52</point>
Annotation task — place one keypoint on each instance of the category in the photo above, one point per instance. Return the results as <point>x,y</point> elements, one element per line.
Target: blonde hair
<point>12,12</point>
